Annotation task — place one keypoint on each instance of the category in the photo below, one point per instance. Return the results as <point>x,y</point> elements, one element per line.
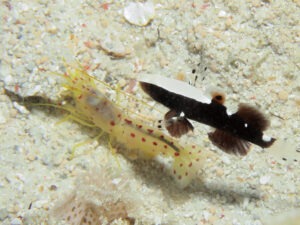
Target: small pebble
<point>283,95</point>
<point>3,214</point>
<point>16,221</point>
<point>53,187</point>
<point>264,179</point>
<point>226,159</point>
<point>222,14</point>
<point>219,172</point>
<point>21,109</point>
<point>206,215</point>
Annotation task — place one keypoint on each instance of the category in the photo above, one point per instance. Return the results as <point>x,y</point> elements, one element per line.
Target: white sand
<point>251,50</point>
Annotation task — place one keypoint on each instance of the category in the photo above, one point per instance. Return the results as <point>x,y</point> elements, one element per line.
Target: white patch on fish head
<point>266,138</point>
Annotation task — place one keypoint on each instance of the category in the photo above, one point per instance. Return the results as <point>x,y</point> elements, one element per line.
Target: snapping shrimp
<point>94,106</point>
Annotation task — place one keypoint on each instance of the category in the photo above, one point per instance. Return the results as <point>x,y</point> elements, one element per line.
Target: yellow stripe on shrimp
<point>133,135</point>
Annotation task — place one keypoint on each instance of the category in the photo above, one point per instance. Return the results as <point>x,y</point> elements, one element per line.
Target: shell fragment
<point>139,14</point>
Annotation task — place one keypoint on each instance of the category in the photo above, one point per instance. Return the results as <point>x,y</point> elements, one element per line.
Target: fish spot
<point>154,143</point>
<point>143,139</point>
<point>176,154</point>
<point>112,123</point>
<point>132,135</point>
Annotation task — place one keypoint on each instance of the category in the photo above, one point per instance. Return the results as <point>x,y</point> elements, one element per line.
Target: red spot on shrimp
<point>128,121</point>
<point>97,109</point>
<point>112,123</point>
<point>193,146</point>
<point>154,143</point>
<point>150,131</point>
<point>80,97</point>
<point>132,135</point>
<point>166,146</point>
<point>174,171</point>
<point>17,88</point>
<point>162,136</point>
<point>139,126</point>
<point>190,165</point>
<point>176,154</point>
<point>143,140</point>
<point>181,165</point>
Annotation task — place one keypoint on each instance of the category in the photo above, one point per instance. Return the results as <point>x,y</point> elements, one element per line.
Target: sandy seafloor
<point>250,49</point>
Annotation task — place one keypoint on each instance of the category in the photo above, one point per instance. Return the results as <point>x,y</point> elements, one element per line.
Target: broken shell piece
<point>114,48</point>
<point>139,14</point>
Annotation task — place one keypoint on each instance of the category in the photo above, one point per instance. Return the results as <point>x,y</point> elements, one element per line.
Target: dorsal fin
<point>253,116</point>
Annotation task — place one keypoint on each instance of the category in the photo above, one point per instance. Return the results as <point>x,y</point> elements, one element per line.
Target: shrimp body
<point>133,135</point>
